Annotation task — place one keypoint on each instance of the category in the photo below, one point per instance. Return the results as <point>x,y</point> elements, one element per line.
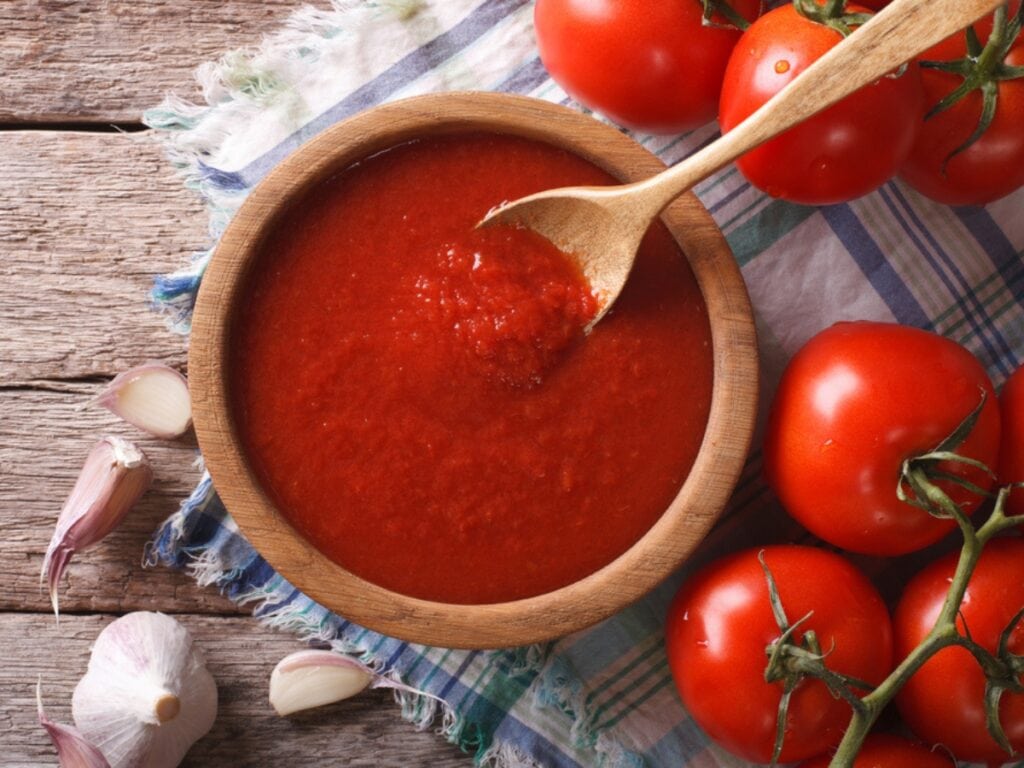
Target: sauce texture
<point>418,399</point>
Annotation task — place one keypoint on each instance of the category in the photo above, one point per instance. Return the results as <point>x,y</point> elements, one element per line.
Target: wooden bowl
<point>578,605</point>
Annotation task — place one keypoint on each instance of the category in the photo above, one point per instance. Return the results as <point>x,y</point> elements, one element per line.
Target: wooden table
<point>90,210</point>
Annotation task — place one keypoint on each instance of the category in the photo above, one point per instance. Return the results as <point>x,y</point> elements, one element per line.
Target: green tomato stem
<point>834,8</point>
<point>982,70</point>
<point>734,20</point>
<point>942,635</point>
<point>993,52</point>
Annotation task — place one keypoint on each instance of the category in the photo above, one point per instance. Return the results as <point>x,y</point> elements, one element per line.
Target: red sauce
<point>418,398</point>
<point>509,296</point>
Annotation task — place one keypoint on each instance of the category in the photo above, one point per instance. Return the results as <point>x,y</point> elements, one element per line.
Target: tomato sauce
<point>418,397</point>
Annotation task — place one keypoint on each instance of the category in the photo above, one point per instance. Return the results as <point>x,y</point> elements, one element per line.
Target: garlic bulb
<point>313,678</point>
<point>115,474</point>
<point>153,397</point>
<point>147,696</point>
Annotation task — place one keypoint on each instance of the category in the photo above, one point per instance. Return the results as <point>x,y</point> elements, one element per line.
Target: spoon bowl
<point>593,224</point>
<point>601,228</point>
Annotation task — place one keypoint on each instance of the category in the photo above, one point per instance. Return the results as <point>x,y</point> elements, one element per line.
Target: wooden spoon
<point>601,227</point>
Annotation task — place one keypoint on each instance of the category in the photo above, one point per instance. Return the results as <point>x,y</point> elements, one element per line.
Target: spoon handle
<point>903,30</point>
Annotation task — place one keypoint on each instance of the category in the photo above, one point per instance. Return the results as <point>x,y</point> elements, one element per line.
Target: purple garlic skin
<point>115,475</point>
<point>73,749</point>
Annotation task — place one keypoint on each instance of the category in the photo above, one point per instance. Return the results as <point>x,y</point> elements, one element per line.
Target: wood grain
<point>363,731</point>
<point>583,603</point>
<point>89,61</point>
<point>43,441</point>
<point>86,221</point>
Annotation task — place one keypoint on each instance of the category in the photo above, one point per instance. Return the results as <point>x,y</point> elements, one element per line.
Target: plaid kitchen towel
<point>603,697</point>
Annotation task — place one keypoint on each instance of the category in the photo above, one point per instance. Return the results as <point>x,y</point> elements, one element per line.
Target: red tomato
<point>875,5</point>
<point>1011,455</point>
<point>647,64</point>
<point>884,750</point>
<point>846,151</point>
<point>853,403</point>
<point>943,702</point>
<point>993,166</point>
<point>720,623</point>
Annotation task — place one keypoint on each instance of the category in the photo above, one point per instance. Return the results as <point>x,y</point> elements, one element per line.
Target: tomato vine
<point>1002,669</point>
<point>790,662</point>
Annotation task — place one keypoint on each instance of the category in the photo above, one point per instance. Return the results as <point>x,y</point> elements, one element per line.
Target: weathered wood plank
<point>364,731</point>
<point>86,220</point>
<point>84,61</point>
<point>44,438</point>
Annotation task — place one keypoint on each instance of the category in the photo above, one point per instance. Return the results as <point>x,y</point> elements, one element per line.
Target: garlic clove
<point>73,749</point>
<point>313,678</point>
<point>147,695</point>
<point>115,474</point>
<point>152,397</point>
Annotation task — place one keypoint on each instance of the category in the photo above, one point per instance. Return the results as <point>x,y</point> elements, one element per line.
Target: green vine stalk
<point>790,661</point>
<point>943,635</point>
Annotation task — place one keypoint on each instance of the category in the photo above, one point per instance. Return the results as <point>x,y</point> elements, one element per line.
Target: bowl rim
<point>643,566</point>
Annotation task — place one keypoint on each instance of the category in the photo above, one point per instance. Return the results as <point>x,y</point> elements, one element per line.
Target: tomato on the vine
<point>646,64</point>
<point>884,750</point>
<point>854,403</point>
<point>993,165</point>
<point>721,622</point>
<point>846,151</point>
<point>1011,455</point>
<point>943,703</point>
